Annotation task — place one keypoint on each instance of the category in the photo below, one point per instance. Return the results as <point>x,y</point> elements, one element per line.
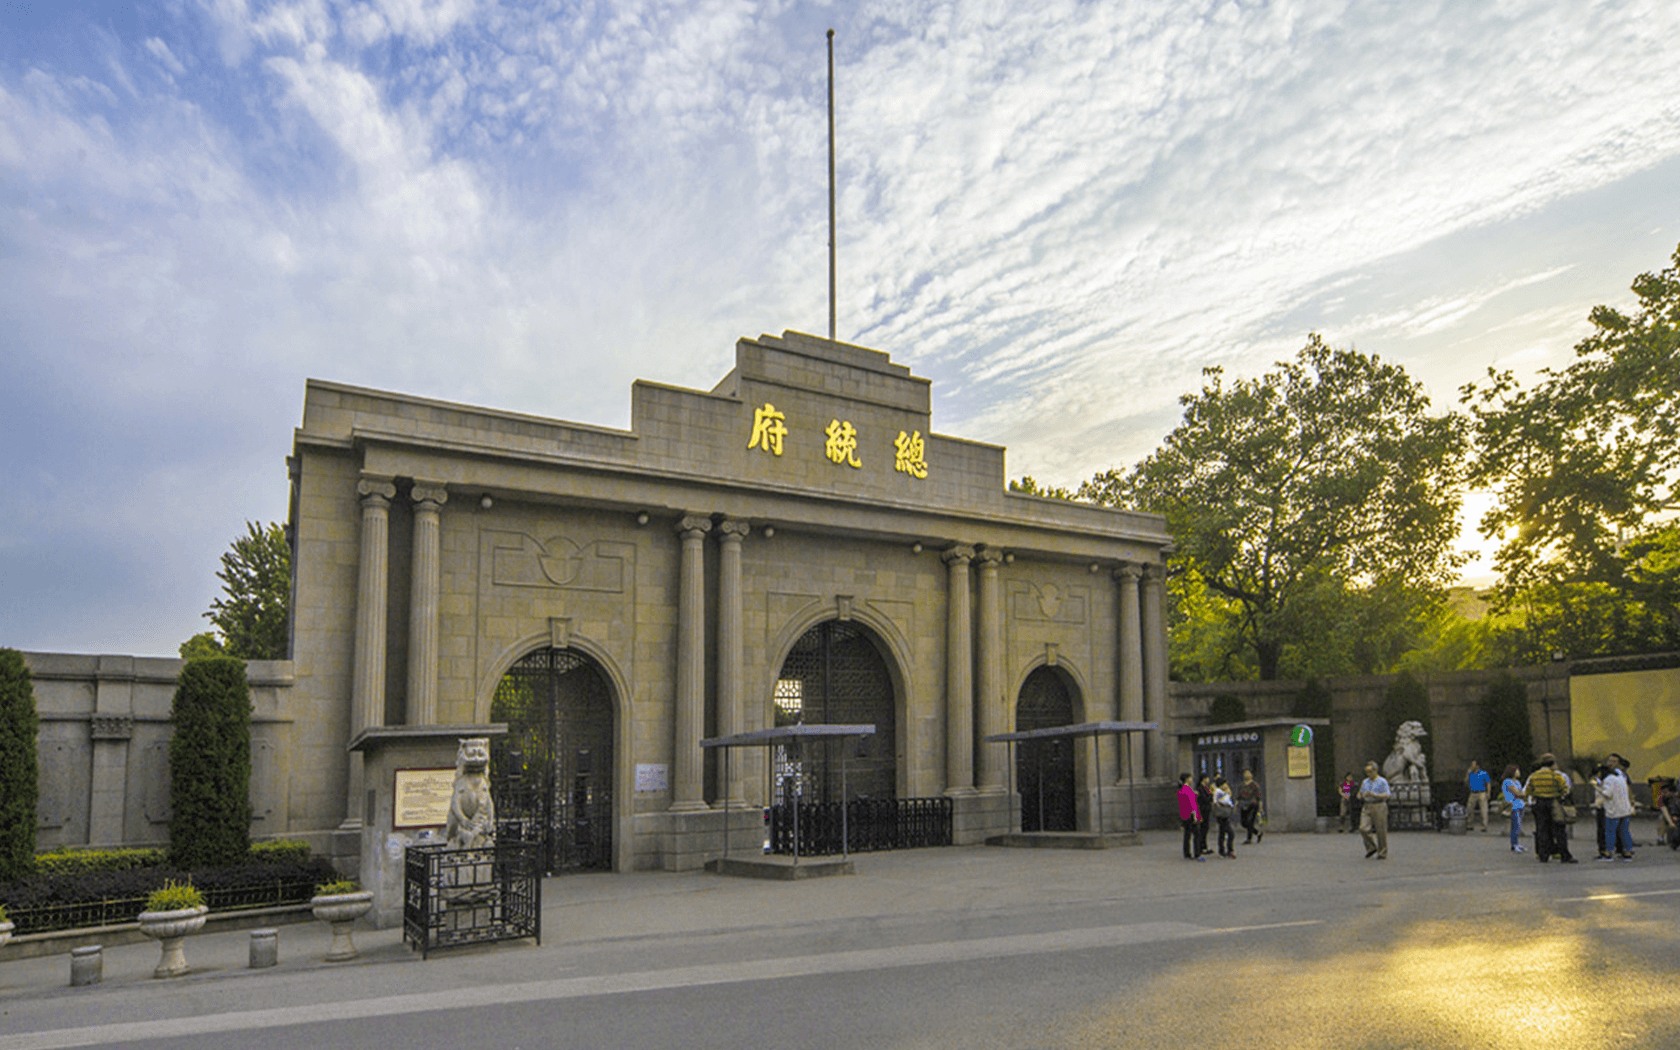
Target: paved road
<point>1300,942</point>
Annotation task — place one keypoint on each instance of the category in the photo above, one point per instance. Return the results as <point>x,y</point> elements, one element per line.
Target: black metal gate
<point>1044,770</point>
<point>552,774</point>
<point>834,675</point>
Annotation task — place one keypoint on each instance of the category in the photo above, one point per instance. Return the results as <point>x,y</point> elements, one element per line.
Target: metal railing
<point>872,824</point>
<point>49,917</point>
<point>453,897</point>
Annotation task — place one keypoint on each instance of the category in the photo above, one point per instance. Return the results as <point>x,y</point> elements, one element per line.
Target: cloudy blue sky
<point>1058,211</point>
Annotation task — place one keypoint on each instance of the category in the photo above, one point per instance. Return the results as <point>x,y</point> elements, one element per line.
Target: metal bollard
<point>87,965</point>
<point>265,948</point>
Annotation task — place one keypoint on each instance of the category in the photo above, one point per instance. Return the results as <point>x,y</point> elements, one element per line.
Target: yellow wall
<point>1636,714</point>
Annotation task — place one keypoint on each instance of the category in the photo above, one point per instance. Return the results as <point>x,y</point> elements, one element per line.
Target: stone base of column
<point>976,817</point>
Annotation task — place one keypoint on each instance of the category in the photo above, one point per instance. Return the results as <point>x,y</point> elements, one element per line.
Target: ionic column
<point>988,692</point>
<point>729,660</point>
<point>367,677</point>
<point>1155,668</point>
<point>959,674</point>
<point>367,689</point>
<point>1129,660</point>
<point>426,584</point>
<point>687,768</point>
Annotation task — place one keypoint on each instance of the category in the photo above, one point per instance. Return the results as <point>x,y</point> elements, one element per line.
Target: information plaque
<point>421,798</point>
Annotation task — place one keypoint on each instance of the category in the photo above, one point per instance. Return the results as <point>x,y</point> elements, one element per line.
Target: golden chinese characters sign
<point>910,454</point>
<point>842,443</point>
<point>768,429</point>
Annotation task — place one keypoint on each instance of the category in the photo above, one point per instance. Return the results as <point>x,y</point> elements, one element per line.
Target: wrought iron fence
<point>471,896</point>
<point>871,824</point>
<point>47,917</point>
<point>575,836</point>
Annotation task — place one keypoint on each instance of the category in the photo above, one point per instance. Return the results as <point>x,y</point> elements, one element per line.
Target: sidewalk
<point>594,919</point>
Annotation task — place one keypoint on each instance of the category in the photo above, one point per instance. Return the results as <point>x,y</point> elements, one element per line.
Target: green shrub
<point>19,789</point>
<point>70,861</point>
<point>1315,701</point>
<point>1407,700</point>
<point>174,896</point>
<point>1507,737</point>
<point>337,886</point>
<point>3,913</point>
<point>1227,709</point>
<point>276,851</point>
<point>210,765</point>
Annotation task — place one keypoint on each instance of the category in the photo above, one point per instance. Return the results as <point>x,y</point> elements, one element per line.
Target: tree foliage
<point>1585,465</point>
<point>1316,504</point>
<point>254,612</point>
<point>210,764</point>
<point>19,786</point>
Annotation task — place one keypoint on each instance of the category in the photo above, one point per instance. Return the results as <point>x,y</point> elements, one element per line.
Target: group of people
<point>1546,794</point>
<point>1211,800</point>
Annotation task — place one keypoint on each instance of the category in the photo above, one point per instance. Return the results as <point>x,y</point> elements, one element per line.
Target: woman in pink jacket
<point>1189,815</point>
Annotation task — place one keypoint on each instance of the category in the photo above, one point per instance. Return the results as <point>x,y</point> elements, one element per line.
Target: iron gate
<point>1044,771</point>
<point>834,675</point>
<point>552,774</point>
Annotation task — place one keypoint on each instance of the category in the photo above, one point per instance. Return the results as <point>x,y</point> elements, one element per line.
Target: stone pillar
<point>427,579</point>
<point>1129,661</point>
<point>1155,668</point>
<point>988,692</point>
<point>367,680</point>
<point>959,675</point>
<point>730,716</point>
<point>687,768</point>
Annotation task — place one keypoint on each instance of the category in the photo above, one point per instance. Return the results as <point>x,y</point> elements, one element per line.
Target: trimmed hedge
<point>76,860</point>
<point>19,789</point>
<point>210,765</point>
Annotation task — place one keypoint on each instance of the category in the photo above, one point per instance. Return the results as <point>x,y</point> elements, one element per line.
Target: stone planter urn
<point>340,911</point>
<point>6,929</point>
<point>169,929</point>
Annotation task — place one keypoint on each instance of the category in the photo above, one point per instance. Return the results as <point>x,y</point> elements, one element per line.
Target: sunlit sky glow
<point>1059,212</point>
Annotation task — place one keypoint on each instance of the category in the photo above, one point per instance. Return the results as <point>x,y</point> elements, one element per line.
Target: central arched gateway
<point>835,674</point>
<point>552,773</point>
<point>1044,769</point>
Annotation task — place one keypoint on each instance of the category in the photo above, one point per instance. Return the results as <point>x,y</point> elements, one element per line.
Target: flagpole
<point>831,297</point>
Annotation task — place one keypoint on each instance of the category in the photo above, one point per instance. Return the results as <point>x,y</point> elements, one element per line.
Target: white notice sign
<point>652,776</point>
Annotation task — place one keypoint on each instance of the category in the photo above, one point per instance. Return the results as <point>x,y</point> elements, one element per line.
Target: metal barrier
<point>872,824</point>
<point>48,917</point>
<point>453,897</point>
<point>1414,807</point>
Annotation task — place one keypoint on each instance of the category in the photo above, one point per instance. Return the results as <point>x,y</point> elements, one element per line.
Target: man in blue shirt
<point>1478,781</point>
<point>1374,794</point>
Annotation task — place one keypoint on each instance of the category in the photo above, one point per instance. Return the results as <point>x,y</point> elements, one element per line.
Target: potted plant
<point>6,927</point>
<point>171,913</point>
<point>339,904</point>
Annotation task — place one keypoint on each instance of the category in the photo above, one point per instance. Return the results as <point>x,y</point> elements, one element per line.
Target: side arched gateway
<point>1044,769</point>
<point>552,773</point>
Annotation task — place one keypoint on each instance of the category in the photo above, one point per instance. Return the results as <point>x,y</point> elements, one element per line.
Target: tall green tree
<point>1322,493</point>
<point>210,764</point>
<point>1585,465</point>
<point>253,614</point>
<point>19,785</point>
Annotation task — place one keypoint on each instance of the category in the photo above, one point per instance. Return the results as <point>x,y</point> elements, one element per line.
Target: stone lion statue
<point>472,815</point>
<point>1407,762</point>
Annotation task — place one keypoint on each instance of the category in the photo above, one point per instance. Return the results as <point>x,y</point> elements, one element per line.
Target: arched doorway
<point>1044,769</point>
<point>552,774</point>
<point>835,675</point>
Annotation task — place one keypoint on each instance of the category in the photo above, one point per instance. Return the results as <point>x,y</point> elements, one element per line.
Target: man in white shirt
<point>1374,794</point>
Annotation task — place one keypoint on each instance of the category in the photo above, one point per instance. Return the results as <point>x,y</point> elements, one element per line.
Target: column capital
<point>1128,570</point>
<point>432,492</point>
<point>988,557</point>
<point>376,490</point>
<point>1153,573</point>
<point>694,524</point>
<point>957,553</point>
<point>735,529</point>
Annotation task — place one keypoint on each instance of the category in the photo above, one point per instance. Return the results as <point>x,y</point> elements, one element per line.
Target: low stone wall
<point>104,748</point>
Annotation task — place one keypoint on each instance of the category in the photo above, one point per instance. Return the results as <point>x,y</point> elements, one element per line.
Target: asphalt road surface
<point>1299,943</point>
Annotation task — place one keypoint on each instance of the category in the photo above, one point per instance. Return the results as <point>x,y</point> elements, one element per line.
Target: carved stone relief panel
<point>154,775</point>
<point>265,781</point>
<point>519,559</point>
<point>1048,602</point>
